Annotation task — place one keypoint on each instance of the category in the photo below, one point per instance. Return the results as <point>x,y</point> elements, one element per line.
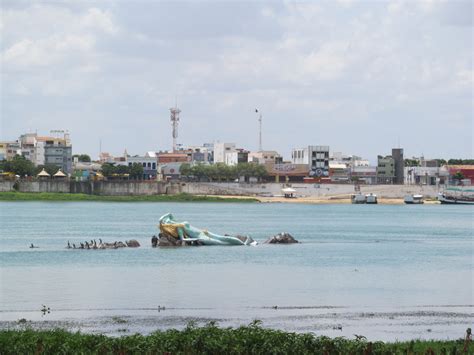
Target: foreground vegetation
<point>58,196</point>
<point>210,339</point>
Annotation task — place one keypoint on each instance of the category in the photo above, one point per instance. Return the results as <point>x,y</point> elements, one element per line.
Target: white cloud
<point>98,19</point>
<point>328,62</point>
<point>29,53</point>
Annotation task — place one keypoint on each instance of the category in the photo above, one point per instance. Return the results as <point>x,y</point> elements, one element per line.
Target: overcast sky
<point>361,77</point>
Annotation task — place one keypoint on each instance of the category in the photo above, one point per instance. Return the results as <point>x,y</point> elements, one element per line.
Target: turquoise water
<point>384,271</point>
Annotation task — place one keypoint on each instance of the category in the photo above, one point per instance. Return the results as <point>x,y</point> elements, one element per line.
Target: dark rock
<point>242,238</point>
<point>132,243</point>
<point>281,238</point>
<point>120,245</point>
<point>166,240</point>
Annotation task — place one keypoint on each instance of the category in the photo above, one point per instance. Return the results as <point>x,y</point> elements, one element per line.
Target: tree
<point>412,162</point>
<point>461,161</point>
<point>441,162</point>
<point>458,176</point>
<point>185,170</point>
<point>84,158</point>
<point>108,169</point>
<point>19,165</point>
<point>136,171</point>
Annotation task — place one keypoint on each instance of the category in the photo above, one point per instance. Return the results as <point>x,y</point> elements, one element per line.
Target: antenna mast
<point>260,130</point>
<point>175,111</point>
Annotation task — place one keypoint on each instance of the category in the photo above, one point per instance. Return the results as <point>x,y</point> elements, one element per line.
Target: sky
<point>360,76</point>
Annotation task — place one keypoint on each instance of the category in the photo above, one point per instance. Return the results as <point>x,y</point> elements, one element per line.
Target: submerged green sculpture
<point>187,234</point>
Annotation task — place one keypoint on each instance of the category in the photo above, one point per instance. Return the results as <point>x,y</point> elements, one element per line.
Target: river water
<point>387,272</point>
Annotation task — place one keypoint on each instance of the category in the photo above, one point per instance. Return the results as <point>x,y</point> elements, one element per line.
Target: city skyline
<point>360,77</point>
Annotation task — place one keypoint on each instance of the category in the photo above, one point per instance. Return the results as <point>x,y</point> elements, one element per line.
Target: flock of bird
<point>92,244</point>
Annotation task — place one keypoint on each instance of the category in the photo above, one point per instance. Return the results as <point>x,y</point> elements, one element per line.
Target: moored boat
<point>358,198</point>
<point>371,198</point>
<point>461,195</point>
<point>413,199</point>
<point>459,200</point>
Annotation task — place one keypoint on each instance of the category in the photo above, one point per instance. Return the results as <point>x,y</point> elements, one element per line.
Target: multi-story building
<point>59,155</point>
<point>425,175</point>
<point>364,174</point>
<point>265,157</point>
<point>28,148</point>
<point>149,164</point>
<point>399,165</point>
<point>315,156</point>
<point>385,169</point>
<point>44,150</point>
<point>9,149</point>
<point>339,172</point>
<point>236,157</point>
<point>199,154</point>
<point>221,150</point>
<point>3,150</point>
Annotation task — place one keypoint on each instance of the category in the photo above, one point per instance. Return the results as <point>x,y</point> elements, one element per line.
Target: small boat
<point>289,192</point>
<point>455,199</point>
<point>413,199</point>
<point>371,198</point>
<point>358,198</point>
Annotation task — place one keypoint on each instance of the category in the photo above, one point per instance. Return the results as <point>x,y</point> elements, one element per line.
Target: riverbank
<point>324,200</point>
<point>211,339</point>
<point>59,196</point>
<point>185,197</point>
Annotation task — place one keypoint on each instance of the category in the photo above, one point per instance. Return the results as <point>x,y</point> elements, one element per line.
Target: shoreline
<point>65,197</point>
<point>328,200</point>
<point>185,197</point>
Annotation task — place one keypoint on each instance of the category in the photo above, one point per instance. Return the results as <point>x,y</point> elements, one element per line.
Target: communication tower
<point>260,130</point>
<point>175,111</point>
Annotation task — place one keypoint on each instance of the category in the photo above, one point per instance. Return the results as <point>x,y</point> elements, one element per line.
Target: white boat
<point>413,199</point>
<point>447,198</point>
<point>358,198</point>
<point>289,192</point>
<point>371,198</point>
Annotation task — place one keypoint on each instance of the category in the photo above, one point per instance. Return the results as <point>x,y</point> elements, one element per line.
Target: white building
<point>315,156</point>
<point>231,158</point>
<point>424,175</point>
<point>220,151</point>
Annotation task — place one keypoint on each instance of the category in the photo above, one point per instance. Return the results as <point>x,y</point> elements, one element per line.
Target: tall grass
<point>210,339</point>
<point>57,196</point>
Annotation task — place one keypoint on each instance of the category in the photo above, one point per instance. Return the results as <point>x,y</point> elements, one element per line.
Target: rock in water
<point>165,240</point>
<point>281,238</point>
<point>132,243</point>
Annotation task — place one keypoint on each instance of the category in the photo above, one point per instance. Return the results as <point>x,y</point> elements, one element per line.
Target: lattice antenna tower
<point>175,111</point>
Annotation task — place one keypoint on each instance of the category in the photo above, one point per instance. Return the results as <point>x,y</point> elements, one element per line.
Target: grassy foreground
<point>58,196</point>
<point>210,339</point>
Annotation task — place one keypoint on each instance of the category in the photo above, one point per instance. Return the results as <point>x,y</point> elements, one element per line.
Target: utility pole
<point>260,130</point>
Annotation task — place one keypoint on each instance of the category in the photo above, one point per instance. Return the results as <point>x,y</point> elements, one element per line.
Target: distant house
<point>467,172</point>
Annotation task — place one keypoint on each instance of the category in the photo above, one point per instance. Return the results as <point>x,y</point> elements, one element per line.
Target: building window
<point>154,166</point>
<point>144,165</point>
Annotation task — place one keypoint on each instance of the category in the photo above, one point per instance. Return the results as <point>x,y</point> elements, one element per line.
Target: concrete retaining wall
<point>122,188</point>
<point>306,190</point>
